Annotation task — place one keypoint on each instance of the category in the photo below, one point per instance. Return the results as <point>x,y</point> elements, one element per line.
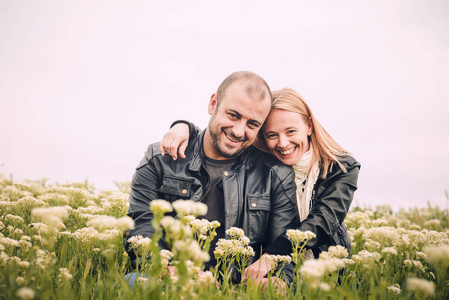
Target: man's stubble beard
<point>215,137</point>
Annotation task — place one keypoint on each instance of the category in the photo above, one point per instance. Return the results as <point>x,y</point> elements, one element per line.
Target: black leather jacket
<point>331,200</point>
<point>259,191</point>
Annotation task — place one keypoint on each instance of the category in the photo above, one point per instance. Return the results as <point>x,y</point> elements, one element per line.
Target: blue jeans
<point>131,279</point>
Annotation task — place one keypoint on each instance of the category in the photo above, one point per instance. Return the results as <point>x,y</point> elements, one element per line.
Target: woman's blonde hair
<point>325,149</point>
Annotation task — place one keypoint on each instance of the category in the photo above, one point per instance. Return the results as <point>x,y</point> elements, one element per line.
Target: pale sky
<point>86,85</point>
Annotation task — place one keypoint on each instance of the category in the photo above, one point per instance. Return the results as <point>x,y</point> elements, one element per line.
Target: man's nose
<point>239,129</point>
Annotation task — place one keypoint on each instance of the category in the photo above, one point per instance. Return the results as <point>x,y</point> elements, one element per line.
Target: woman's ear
<point>212,104</point>
<point>309,126</point>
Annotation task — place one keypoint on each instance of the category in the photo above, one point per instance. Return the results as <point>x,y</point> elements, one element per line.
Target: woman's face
<point>286,135</point>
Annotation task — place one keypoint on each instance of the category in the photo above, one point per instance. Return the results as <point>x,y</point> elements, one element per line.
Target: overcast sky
<point>85,86</point>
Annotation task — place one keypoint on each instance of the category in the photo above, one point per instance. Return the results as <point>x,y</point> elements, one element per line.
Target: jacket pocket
<point>259,208</point>
<point>174,188</point>
<point>341,237</point>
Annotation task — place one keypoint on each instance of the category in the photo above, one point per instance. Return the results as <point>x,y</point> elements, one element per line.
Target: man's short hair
<point>256,85</point>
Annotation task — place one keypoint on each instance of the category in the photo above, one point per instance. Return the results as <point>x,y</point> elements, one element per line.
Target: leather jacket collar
<point>199,156</point>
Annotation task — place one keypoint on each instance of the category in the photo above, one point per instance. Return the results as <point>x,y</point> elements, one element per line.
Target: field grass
<point>64,241</point>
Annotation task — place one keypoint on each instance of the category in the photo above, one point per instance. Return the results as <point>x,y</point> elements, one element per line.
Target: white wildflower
<point>395,289</point>
<point>390,251</point>
<point>421,255</point>
<point>64,275</point>
<point>9,243</point>
<point>235,233</point>
<point>298,236</point>
<point>20,280</point>
<point>192,249</point>
<point>45,259</point>
<point>366,259</point>
<point>52,216</point>
<point>325,287</point>
<point>379,222</point>
<point>421,286</point>
<point>189,207</point>
<point>206,278</point>
<point>16,220</point>
<point>25,293</point>
<point>312,270</point>
<point>103,222</point>
<point>160,206</point>
<point>334,252</point>
<point>432,224</point>
<point>24,264</point>
<point>140,245</point>
<point>273,261</point>
<point>437,255</point>
<point>166,256</point>
<point>356,218</point>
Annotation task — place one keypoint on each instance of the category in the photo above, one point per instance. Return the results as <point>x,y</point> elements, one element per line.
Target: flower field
<point>65,241</point>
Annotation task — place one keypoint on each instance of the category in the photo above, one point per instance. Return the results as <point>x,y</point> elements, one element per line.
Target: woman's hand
<point>175,140</point>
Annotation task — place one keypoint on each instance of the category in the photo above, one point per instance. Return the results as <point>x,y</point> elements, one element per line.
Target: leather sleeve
<point>332,202</point>
<point>144,188</point>
<point>284,216</point>
<point>193,129</point>
<point>284,212</point>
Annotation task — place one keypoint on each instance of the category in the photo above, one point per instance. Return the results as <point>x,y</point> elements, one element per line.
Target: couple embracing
<point>263,164</point>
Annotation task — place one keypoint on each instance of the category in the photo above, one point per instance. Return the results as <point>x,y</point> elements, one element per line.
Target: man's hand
<point>279,285</point>
<point>258,269</point>
<point>171,272</point>
<point>174,140</point>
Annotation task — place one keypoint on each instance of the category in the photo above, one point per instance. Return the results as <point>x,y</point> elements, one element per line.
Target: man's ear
<point>212,104</point>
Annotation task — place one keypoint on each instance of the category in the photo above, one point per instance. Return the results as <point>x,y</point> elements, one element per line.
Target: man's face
<point>234,124</point>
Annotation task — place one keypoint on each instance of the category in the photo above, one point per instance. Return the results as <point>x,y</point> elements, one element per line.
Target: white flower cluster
<point>166,256</point>
<point>52,216</point>
<point>140,245</point>
<point>367,260</point>
<point>64,275</point>
<point>421,286</point>
<point>175,230</point>
<point>88,238</point>
<point>15,220</point>
<point>189,207</point>
<point>202,228</point>
<point>394,289</point>
<point>438,256</point>
<point>390,251</point>
<point>313,270</point>
<point>9,242</point>
<point>103,222</point>
<point>273,261</point>
<point>160,206</point>
<point>192,250</point>
<point>298,236</point>
<point>206,278</point>
<point>25,293</point>
<point>238,246</point>
<point>334,252</point>
<point>45,259</point>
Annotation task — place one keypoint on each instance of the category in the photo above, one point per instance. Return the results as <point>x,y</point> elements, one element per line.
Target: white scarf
<point>305,182</point>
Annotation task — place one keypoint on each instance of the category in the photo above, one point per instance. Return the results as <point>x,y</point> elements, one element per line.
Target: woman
<point>325,173</point>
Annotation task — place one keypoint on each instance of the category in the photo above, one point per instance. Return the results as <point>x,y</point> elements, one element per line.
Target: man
<point>241,185</point>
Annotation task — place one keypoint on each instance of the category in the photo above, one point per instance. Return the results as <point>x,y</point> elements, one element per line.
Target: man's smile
<point>232,139</point>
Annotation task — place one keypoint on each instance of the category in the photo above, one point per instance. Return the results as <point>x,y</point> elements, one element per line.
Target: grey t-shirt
<point>214,199</point>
